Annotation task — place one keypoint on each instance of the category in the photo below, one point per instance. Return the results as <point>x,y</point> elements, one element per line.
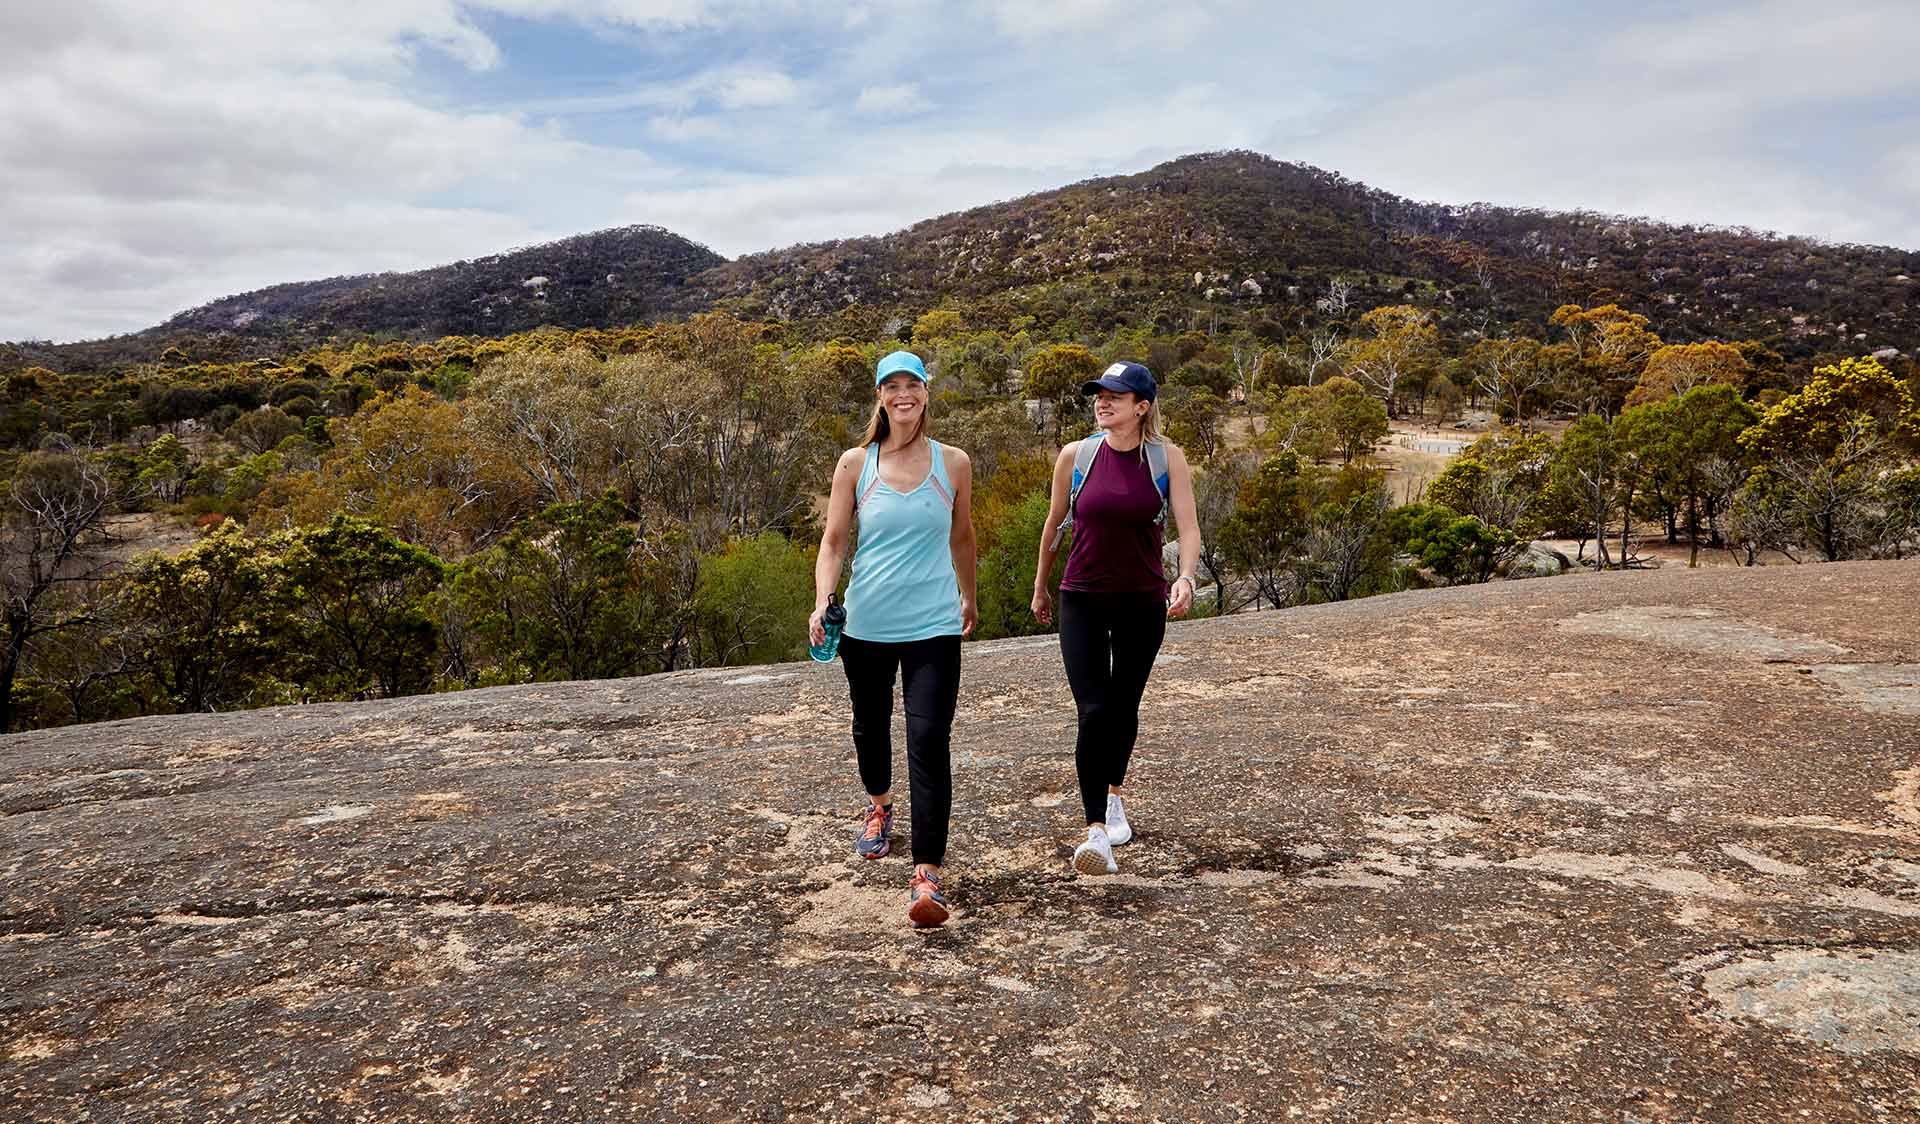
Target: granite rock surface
<point>1620,847</point>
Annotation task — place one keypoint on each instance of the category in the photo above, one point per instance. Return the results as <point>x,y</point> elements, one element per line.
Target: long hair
<point>878,427</point>
<point>1150,424</point>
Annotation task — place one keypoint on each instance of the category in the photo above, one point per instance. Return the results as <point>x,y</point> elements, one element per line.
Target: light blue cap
<point>900,361</point>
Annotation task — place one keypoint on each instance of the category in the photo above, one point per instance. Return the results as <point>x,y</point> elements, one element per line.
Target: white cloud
<point>240,35</point>
<point>1901,165</point>
<point>1099,138</point>
<point>129,127</point>
<point>743,214</point>
<point>1779,50</point>
<point>889,100</point>
<point>121,266</point>
<point>734,87</point>
<point>754,89</point>
<point>1114,26</point>
<point>911,172</point>
<point>1022,20</point>
<point>1715,119</point>
<point>688,130</point>
<point>621,13</point>
<point>149,163</point>
<point>156,156</point>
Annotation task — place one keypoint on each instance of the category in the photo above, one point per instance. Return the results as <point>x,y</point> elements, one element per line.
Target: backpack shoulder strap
<point>1162,478</point>
<point>1083,455</point>
<point>1083,460</point>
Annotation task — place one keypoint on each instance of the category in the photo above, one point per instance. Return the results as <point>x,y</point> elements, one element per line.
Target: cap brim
<point>1118,387</point>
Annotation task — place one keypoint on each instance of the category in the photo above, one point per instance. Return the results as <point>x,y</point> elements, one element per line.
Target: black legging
<point>1108,641</point>
<point>929,673</point>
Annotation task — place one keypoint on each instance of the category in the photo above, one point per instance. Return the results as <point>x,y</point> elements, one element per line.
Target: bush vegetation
<point>407,510</point>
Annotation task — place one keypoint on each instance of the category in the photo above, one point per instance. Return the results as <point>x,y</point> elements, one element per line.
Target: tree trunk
<point>1601,561</point>
<point>16,644</point>
<point>1693,531</point>
<point>1626,525</point>
<point>193,683</point>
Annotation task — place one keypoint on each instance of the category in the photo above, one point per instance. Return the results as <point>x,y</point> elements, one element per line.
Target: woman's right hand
<point>817,627</point>
<point>1042,606</point>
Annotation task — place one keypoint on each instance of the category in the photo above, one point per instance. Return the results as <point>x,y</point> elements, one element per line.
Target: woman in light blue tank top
<point>910,601</point>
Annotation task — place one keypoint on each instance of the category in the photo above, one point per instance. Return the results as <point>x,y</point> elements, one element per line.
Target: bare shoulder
<point>851,459</point>
<point>1067,452</point>
<point>1175,454</point>
<point>956,456</point>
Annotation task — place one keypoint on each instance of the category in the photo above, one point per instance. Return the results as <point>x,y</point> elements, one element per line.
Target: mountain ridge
<point>1695,282</point>
<point>557,264</point>
<point>1237,229</point>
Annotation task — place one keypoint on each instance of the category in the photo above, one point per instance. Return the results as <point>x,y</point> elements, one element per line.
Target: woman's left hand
<point>1180,598</point>
<point>969,616</point>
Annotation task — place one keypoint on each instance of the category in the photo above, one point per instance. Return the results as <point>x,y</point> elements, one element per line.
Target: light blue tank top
<point>903,586</point>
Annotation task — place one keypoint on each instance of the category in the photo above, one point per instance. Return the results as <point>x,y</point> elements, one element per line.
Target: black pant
<point>929,672</point>
<point>1108,641</point>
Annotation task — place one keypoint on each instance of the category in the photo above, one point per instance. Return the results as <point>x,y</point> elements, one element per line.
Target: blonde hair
<point>878,427</point>
<point>1150,424</point>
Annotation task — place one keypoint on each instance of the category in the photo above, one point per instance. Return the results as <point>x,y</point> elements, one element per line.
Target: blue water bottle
<point>832,621</point>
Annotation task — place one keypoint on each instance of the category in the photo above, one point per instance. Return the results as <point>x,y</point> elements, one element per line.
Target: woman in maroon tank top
<point>1114,597</point>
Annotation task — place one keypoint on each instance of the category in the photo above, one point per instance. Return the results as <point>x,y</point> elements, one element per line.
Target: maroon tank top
<point>1116,541</point>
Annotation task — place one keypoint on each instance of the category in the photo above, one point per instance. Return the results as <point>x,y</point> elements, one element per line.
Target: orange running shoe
<point>876,835</point>
<point>926,906</point>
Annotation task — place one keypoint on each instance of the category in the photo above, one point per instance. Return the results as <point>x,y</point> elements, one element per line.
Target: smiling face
<point>1118,410</point>
<point>904,398</point>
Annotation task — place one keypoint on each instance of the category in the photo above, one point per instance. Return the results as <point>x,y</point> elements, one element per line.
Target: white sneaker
<point>1118,829</point>
<point>1095,856</point>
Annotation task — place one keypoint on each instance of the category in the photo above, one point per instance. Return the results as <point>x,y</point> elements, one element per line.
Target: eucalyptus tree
<point>55,540</point>
<point>1403,345</point>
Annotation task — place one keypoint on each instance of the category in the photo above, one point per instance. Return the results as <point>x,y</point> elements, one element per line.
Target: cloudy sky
<point>154,156</point>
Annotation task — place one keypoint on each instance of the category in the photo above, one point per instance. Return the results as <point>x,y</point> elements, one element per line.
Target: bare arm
<point>1187,519</point>
<point>965,557</point>
<point>833,541</point>
<point>1056,511</point>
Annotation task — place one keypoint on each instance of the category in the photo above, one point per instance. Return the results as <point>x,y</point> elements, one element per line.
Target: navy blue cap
<point>1124,378</point>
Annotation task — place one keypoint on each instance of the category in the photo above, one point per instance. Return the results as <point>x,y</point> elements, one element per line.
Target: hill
<point>1245,235</point>
<point>1617,847</point>
<point>628,275</point>
<point>1242,230</point>
<point>623,276</point>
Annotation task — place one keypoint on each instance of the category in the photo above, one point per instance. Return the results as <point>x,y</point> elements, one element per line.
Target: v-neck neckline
<point>882,476</point>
